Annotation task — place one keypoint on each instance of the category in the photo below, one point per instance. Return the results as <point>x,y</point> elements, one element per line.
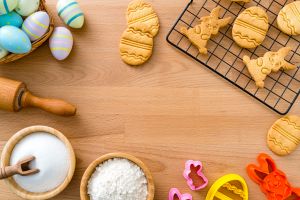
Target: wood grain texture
<point>167,111</point>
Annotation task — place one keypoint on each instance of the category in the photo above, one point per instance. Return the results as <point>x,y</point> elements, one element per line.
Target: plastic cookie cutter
<point>272,181</point>
<point>194,176</point>
<point>229,187</point>
<point>174,194</point>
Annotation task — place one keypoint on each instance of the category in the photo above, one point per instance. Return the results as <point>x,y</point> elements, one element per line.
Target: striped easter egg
<point>7,6</point>
<point>27,7</point>
<point>61,43</point>
<point>36,25</point>
<point>70,12</point>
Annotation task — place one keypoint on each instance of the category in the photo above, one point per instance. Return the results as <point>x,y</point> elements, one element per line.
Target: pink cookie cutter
<point>175,194</point>
<point>188,171</point>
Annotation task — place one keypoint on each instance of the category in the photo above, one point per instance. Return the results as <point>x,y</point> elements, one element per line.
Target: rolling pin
<point>14,96</point>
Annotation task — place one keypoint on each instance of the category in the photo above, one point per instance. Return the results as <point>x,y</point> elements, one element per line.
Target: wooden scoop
<point>14,96</point>
<point>22,168</point>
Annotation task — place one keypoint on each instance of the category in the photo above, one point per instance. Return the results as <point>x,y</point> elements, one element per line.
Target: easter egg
<point>7,6</point>
<point>61,43</point>
<point>14,40</point>
<point>3,53</point>
<point>27,7</point>
<point>70,12</point>
<point>12,19</point>
<point>36,25</point>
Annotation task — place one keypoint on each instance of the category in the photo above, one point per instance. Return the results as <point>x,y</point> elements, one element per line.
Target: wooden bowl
<point>36,44</point>
<point>90,170</point>
<point>5,161</point>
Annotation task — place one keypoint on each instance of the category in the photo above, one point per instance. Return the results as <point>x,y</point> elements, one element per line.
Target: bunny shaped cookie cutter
<point>175,194</point>
<point>187,172</point>
<point>272,181</point>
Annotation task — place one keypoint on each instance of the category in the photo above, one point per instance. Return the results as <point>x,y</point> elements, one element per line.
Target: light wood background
<point>164,112</point>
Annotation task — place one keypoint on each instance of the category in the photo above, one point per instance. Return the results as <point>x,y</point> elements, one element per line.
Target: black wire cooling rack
<point>225,56</point>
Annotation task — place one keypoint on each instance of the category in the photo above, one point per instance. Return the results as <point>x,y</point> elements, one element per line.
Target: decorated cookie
<point>141,16</point>
<point>288,19</point>
<point>208,26</point>
<point>135,46</point>
<point>284,135</point>
<point>261,67</point>
<point>250,28</point>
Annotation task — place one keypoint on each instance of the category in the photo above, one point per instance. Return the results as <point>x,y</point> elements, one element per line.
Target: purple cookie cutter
<point>187,173</point>
<point>175,194</point>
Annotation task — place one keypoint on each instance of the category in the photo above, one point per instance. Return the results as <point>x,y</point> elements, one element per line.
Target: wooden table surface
<point>165,112</point>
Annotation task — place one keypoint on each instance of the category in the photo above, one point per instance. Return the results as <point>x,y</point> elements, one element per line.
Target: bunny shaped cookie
<point>261,67</point>
<point>208,26</point>
<point>272,181</point>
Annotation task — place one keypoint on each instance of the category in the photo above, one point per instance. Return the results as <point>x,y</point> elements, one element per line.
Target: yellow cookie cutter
<point>224,182</point>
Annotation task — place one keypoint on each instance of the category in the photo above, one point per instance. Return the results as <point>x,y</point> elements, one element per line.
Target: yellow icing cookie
<point>261,67</point>
<point>250,28</point>
<point>288,19</point>
<point>141,16</point>
<point>284,135</point>
<point>208,26</point>
<point>135,46</point>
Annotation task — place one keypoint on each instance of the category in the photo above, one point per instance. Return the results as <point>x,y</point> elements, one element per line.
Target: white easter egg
<point>3,53</point>
<point>27,7</point>
<point>70,12</point>
<point>36,25</point>
<point>61,43</point>
<point>7,6</point>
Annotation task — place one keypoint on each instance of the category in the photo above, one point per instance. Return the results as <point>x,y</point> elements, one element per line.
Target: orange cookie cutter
<point>272,181</point>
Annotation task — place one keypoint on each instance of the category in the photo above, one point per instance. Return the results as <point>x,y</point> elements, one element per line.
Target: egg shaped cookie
<point>284,135</point>
<point>141,16</point>
<point>230,186</point>
<point>36,25</point>
<point>12,18</point>
<point>250,28</point>
<point>3,53</point>
<point>70,12</point>
<point>14,40</point>
<point>27,7</point>
<point>288,19</point>
<point>135,46</point>
<point>61,43</point>
<point>6,6</point>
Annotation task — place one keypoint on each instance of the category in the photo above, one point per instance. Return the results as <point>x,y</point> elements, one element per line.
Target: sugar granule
<point>118,179</point>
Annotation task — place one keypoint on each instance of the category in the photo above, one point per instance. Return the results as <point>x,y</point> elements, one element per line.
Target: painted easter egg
<point>7,6</point>
<point>14,40</point>
<point>61,43</point>
<point>36,25</point>
<point>3,53</point>
<point>70,12</point>
<point>12,18</point>
<point>27,7</point>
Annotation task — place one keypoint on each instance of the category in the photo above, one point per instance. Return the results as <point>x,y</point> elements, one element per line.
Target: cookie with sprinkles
<point>70,12</point>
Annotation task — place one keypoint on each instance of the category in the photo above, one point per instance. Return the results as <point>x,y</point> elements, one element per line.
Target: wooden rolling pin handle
<point>55,106</point>
<point>7,172</point>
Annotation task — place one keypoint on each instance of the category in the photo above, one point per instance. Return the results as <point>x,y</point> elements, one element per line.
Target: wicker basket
<point>12,57</point>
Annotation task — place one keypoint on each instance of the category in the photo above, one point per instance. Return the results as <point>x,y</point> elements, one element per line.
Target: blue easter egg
<point>12,19</point>
<point>14,40</point>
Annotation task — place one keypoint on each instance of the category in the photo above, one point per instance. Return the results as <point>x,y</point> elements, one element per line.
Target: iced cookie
<point>208,26</point>
<point>261,67</point>
<point>288,19</point>
<point>141,16</point>
<point>250,28</point>
<point>284,135</point>
<point>135,46</point>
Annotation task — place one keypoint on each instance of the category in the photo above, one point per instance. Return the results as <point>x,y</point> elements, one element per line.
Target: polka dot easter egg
<point>61,43</point>
<point>36,25</point>
<point>14,40</point>
<point>11,18</point>
<point>7,6</point>
<point>27,7</point>
<point>3,53</point>
<point>70,12</point>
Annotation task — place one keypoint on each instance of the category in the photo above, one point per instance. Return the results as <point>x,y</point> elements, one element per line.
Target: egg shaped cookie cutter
<point>175,194</point>
<point>190,181</point>
<point>225,183</point>
<point>273,182</point>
